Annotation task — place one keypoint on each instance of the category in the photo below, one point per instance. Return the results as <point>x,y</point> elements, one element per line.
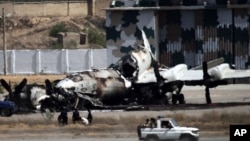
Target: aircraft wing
<point>178,72</point>
<point>223,71</point>
<point>212,77</point>
<point>181,73</point>
<point>219,72</point>
<point>190,75</point>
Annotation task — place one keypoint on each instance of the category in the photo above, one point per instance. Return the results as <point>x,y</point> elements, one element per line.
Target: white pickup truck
<point>167,129</point>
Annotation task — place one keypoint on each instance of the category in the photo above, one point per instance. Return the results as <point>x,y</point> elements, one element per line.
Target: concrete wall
<point>46,9</point>
<point>56,8</point>
<point>100,5</point>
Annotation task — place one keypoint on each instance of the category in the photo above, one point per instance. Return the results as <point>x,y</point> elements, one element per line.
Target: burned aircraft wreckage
<point>136,78</point>
<point>116,85</point>
<point>123,83</point>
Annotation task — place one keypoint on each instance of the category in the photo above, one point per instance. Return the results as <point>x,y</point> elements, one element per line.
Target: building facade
<point>181,31</point>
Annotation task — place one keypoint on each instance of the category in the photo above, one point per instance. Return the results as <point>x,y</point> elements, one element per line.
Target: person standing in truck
<point>146,124</point>
<point>152,123</point>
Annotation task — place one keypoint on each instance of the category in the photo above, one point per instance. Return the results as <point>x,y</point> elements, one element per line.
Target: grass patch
<point>212,121</point>
<point>96,37</point>
<point>209,121</point>
<point>57,46</point>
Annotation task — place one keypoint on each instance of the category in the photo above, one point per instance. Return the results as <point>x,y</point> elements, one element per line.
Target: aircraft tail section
<point>211,64</point>
<point>146,44</point>
<point>145,41</point>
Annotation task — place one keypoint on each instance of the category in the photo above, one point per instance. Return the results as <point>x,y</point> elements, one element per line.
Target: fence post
<point>68,8</point>
<point>90,56</point>
<point>65,61</point>
<point>13,61</point>
<point>4,44</point>
<point>91,7</point>
<point>38,61</point>
<point>44,8</point>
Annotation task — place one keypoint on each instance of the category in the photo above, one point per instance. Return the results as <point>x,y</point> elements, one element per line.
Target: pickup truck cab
<point>167,129</point>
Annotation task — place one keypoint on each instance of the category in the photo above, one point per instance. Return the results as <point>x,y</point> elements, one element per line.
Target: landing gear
<point>178,98</point>
<point>63,118</point>
<point>207,94</point>
<point>181,99</point>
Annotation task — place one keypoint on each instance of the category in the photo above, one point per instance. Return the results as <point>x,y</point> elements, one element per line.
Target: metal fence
<point>53,61</point>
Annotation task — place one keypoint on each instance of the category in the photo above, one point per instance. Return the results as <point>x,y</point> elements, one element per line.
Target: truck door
<point>167,131</point>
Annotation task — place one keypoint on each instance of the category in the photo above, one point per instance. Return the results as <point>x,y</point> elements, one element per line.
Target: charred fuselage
<point>99,87</point>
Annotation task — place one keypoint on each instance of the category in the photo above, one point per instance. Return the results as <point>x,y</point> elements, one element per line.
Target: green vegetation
<point>57,46</point>
<point>96,37</point>
<point>58,28</point>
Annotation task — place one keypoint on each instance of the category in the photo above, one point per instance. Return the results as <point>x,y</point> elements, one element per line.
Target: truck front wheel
<point>186,138</point>
<point>151,138</point>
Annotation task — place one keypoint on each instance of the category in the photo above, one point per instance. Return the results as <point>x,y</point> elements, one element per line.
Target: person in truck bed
<point>152,123</point>
<point>147,123</point>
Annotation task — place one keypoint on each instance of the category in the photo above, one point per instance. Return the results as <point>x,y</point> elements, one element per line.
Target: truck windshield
<point>174,122</point>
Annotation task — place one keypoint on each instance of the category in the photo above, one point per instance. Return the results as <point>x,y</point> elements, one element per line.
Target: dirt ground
<point>33,32</point>
<point>32,79</point>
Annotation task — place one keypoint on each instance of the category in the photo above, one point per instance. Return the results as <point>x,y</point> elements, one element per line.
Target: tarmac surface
<point>111,139</point>
<point>229,98</point>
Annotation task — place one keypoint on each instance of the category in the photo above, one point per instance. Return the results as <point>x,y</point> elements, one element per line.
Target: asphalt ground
<point>229,98</point>
<point>108,139</point>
